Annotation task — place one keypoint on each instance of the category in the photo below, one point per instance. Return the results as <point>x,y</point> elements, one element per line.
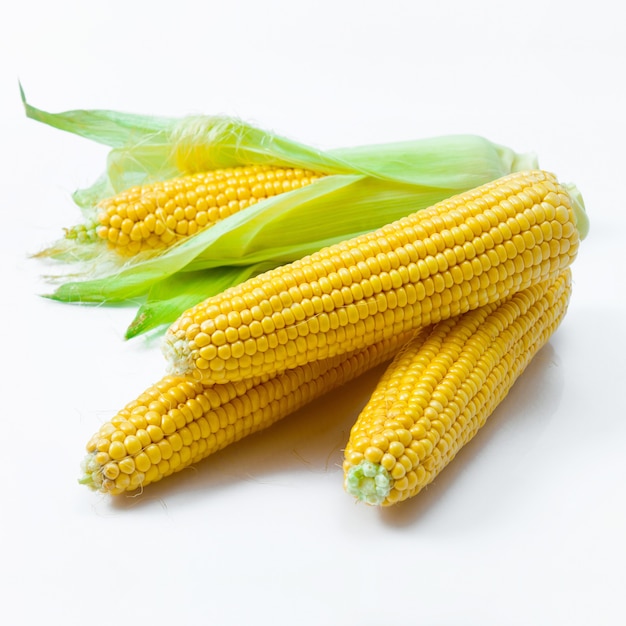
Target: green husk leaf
<point>365,188</point>
<point>331,210</point>
<point>169,298</point>
<point>109,128</point>
<point>146,148</point>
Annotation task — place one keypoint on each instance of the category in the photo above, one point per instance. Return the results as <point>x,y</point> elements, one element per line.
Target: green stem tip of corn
<point>578,206</point>
<point>369,482</point>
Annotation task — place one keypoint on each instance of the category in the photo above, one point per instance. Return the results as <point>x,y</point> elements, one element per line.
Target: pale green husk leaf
<point>365,188</point>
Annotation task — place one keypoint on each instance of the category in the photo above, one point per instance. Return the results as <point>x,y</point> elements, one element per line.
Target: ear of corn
<point>441,388</point>
<point>178,422</point>
<point>155,216</point>
<point>463,253</point>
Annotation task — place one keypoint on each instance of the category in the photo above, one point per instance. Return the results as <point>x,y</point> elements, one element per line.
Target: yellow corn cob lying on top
<point>465,252</point>
<point>178,422</point>
<point>156,215</point>
<point>441,388</point>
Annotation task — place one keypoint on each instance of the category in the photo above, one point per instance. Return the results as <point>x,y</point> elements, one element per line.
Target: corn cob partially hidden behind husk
<point>157,215</point>
<point>465,252</point>
<point>178,422</point>
<point>364,187</point>
<point>441,388</point>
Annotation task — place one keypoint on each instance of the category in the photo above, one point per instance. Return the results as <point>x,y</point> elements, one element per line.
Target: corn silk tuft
<point>365,188</point>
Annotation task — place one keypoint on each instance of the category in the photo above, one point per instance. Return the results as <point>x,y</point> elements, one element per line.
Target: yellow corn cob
<point>178,422</point>
<point>441,388</point>
<point>462,253</point>
<point>156,215</point>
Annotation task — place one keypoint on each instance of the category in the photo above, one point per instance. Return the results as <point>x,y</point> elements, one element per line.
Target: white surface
<point>527,526</point>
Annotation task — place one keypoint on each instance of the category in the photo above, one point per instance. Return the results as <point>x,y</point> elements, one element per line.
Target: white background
<point>527,526</point>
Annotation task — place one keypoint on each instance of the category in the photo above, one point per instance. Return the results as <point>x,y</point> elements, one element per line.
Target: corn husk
<point>365,187</point>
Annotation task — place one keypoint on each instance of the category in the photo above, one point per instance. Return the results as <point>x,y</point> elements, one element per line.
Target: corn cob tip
<point>82,233</point>
<point>79,237</point>
<point>89,472</point>
<point>177,355</point>
<point>368,482</point>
